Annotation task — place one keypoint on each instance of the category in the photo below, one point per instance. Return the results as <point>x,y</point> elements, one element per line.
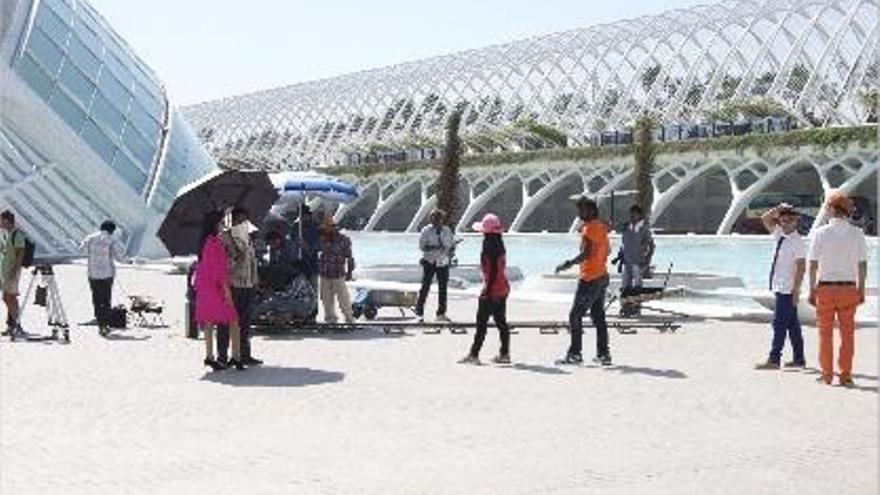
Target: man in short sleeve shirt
<point>838,268</point>
<point>787,268</point>
<point>11,258</point>
<point>593,281</point>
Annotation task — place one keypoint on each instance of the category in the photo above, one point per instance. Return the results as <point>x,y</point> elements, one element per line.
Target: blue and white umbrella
<point>296,187</point>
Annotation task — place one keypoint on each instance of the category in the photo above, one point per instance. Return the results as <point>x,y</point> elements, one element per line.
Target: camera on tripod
<point>46,295</point>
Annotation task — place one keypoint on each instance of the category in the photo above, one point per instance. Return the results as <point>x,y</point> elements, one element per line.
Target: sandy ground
<point>368,413</point>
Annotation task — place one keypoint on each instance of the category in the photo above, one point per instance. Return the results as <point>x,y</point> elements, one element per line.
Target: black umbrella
<point>181,230</point>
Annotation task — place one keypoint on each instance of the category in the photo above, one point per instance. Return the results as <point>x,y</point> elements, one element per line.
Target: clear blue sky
<point>207,49</point>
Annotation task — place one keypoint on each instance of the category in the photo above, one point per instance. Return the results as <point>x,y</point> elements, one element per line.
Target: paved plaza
<point>369,413</point>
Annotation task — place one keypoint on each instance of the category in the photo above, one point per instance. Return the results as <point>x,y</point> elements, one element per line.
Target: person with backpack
<point>102,249</point>
<point>16,251</point>
<point>436,243</point>
<point>493,297</point>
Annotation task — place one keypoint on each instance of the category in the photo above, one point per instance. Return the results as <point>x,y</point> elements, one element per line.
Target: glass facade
<point>69,62</point>
<point>184,160</point>
<point>94,82</point>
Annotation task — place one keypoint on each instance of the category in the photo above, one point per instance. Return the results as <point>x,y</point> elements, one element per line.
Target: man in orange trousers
<point>838,267</point>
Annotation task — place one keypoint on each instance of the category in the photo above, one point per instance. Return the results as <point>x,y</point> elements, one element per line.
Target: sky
<point>208,49</point>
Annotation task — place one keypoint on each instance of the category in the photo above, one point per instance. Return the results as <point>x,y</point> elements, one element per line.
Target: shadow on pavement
<point>537,368</point>
<point>130,338</point>
<point>667,373</point>
<point>856,376</point>
<point>337,335</point>
<point>274,376</point>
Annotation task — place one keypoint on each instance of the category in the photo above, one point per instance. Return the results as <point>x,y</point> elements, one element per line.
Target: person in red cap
<point>493,297</point>
<point>838,268</point>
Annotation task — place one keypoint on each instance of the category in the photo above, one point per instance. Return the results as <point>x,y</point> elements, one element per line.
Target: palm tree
<point>644,152</point>
<point>447,183</point>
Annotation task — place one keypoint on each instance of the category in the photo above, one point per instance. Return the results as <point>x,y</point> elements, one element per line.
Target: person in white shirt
<point>838,268</point>
<point>102,249</point>
<point>436,243</point>
<point>786,274</point>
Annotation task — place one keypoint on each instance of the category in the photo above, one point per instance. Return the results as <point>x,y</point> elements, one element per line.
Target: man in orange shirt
<point>590,295</point>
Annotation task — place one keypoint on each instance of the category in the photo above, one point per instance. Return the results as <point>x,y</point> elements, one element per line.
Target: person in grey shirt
<point>436,243</point>
<point>103,249</point>
<point>637,249</point>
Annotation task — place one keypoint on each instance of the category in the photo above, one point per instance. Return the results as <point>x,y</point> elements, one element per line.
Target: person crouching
<point>493,297</point>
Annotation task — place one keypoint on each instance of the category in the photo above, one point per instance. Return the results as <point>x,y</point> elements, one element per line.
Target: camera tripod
<point>46,294</point>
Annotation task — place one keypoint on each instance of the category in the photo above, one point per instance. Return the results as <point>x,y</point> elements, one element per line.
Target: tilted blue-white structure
<point>86,129</point>
<point>814,59</point>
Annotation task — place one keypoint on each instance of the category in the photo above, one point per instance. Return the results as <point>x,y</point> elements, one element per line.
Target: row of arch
<point>699,195</point>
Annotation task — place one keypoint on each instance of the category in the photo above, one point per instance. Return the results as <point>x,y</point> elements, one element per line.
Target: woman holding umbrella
<point>213,305</point>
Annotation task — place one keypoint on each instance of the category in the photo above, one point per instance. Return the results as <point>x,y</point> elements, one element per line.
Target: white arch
<point>532,202</point>
<point>742,198</point>
<point>478,202</point>
<point>847,187</point>
<point>661,201</point>
<point>385,204</point>
<point>604,190</point>
<point>346,208</point>
<point>427,205</point>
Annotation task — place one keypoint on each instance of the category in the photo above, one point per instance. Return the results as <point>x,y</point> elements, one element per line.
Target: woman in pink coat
<point>213,295</point>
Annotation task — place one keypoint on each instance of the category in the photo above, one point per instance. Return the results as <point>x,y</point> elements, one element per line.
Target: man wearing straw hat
<point>838,268</point>
<point>335,267</point>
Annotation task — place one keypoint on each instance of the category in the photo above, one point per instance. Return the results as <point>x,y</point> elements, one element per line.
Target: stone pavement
<point>369,413</point>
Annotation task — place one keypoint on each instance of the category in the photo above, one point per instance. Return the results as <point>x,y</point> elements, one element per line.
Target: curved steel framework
<point>749,175</point>
<point>815,59</point>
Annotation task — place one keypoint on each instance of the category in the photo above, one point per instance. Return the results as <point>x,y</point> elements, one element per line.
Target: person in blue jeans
<point>786,274</point>
<point>593,281</point>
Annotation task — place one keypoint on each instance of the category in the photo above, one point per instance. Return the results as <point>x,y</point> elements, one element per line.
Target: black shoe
<point>604,360</point>
<point>234,363</point>
<point>571,359</point>
<point>251,361</point>
<point>214,364</point>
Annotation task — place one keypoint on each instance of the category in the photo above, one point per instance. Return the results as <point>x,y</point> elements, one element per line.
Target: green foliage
<point>447,183</point>
<point>544,132</point>
<point>758,108</point>
<point>871,100</point>
<point>822,138</point>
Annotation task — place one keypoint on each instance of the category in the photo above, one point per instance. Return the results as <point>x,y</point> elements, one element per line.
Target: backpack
<point>29,247</point>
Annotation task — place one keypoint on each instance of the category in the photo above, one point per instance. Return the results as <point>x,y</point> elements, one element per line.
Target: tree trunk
<point>644,152</point>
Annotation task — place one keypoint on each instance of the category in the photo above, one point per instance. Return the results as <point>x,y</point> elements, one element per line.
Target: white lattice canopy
<point>815,60</point>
